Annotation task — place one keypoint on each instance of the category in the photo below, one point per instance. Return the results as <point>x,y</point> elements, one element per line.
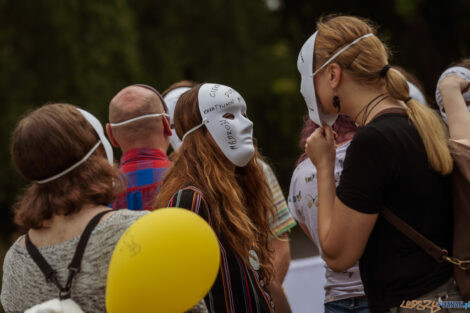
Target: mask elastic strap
<point>72,167</point>
<point>341,51</point>
<point>137,118</point>
<point>204,121</point>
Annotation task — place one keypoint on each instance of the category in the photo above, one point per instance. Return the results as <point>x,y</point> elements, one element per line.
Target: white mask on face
<point>107,147</point>
<point>171,99</point>
<point>233,136</point>
<point>456,70</point>
<point>307,86</point>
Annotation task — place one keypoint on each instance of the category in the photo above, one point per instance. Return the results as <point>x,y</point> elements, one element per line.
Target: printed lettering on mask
<point>223,111</point>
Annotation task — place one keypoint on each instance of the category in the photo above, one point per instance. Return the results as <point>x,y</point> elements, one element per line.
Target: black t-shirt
<point>386,166</point>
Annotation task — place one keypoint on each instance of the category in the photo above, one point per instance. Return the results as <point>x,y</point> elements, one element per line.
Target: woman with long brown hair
<point>217,175</point>
<point>399,159</point>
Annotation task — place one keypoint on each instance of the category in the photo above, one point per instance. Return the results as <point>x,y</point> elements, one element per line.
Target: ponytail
<point>428,123</point>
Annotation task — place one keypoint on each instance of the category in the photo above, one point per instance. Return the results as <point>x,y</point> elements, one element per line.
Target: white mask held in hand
<point>307,87</point>
<point>222,110</point>
<point>456,70</point>
<point>171,99</point>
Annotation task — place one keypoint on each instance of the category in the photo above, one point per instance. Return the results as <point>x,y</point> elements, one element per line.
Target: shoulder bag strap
<point>427,245</point>
<point>74,266</point>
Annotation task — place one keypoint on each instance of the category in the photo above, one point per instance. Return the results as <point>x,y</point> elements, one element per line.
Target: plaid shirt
<point>144,170</point>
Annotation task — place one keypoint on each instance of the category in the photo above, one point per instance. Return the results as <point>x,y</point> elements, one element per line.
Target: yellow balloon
<point>165,262</point>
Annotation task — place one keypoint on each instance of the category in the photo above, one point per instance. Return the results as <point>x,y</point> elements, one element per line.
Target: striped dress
<point>238,288</point>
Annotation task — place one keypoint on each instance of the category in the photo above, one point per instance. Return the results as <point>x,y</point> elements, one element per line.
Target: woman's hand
<point>453,83</point>
<point>320,148</point>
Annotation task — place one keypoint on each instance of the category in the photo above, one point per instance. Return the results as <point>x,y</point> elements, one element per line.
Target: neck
<point>362,103</point>
<point>146,144</point>
<point>61,228</point>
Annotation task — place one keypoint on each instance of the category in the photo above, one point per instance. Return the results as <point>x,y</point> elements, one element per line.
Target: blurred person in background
<point>344,291</point>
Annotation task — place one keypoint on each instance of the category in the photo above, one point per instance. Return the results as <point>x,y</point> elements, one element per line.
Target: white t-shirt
<point>303,204</point>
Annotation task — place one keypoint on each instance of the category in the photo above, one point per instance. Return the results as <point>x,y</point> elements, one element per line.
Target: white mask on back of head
<point>234,136</point>
<point>307,86</point>
<point>171,99</point>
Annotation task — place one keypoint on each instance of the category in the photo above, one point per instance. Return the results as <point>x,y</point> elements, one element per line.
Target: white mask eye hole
<point>230,116</point>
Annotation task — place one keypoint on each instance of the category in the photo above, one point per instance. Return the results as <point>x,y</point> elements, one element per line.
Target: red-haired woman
<point>217,175</point>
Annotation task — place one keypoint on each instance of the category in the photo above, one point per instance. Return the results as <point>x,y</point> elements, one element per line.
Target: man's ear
<point>334,75</point>
<point>113,140</point>
<point>166,127</point>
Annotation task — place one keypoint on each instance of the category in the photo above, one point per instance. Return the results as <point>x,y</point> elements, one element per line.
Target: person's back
<point>23,284</point>
<point>390,156</point>
<point>139,126</point>
<point>64,197</point>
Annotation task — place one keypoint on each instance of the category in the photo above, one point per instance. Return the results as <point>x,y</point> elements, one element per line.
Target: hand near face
<point>452,82</point>
<point>320,148</point>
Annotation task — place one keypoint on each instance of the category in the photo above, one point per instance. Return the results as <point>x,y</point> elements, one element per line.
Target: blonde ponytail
<point>428,123</point>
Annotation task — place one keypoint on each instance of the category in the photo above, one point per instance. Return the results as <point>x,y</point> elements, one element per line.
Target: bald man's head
<point>131,102</point>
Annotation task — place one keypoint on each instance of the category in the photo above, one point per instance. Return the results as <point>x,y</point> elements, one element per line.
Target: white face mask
<point>107,147</point>
<point>456,70</point>
<point>307,86</point>
<point>233,136</point>
<point>171,99</point>
<point>416,94</point>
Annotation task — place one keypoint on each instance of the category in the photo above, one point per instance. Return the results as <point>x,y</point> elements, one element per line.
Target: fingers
<point>329,134</point>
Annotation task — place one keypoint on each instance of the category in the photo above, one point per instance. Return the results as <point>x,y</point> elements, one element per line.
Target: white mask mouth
<point>456,70</point>
<point>103,140</point>
<point>307,87</point>
<point>234,135</point>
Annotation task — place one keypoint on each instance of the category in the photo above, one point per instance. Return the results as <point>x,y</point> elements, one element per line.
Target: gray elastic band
<point>72,167</point>
<point>204,121</point>
<point>341,51</point>
<point>137,118</point>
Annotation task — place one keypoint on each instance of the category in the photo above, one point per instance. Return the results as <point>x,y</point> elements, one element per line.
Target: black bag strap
<point>438,253</point>
<point>74,266</point>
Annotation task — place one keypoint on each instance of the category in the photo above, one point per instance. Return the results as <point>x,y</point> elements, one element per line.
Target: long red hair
<point>240,201</point>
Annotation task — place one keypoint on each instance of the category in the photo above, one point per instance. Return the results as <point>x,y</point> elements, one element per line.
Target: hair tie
<point>407,99</point>
<point>383,72</point>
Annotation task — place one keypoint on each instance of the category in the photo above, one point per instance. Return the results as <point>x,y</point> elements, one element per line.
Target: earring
<point>336,103</point>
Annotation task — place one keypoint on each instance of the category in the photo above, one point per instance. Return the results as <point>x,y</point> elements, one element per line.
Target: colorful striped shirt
<point>238,288</point>
<point>144,170</point>
<point>283,221</point>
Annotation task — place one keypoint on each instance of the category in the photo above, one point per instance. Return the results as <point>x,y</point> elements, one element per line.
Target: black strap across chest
<point>74,266</point>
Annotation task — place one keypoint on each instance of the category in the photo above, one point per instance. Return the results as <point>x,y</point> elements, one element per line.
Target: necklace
<point>367,113</point>
<point>366,106</point>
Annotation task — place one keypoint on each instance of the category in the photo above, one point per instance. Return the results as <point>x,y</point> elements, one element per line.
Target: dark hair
<point>47,141</point>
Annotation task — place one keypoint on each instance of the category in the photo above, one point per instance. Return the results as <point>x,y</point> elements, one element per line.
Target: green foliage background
<point>83,52</point>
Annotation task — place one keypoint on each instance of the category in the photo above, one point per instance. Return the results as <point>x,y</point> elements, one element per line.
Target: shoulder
<point>303,170</point>
<point>190,198</point>
<point>112,227</point>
